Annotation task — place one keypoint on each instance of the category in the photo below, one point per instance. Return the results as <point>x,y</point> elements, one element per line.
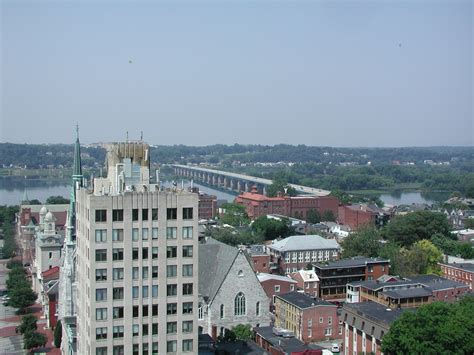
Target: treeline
<point>7,218</point>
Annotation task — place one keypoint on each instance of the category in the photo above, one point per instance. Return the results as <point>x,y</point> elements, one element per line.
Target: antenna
<point>141,135</point>
<point>127,136</point>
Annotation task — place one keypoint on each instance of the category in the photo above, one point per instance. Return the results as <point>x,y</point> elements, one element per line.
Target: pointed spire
<point>77,170</point>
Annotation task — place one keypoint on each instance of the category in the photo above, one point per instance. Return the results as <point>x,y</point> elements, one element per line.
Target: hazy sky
<point>337,73</point>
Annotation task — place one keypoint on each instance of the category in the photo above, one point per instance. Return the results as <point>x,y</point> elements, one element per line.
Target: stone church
<point>229,291</point>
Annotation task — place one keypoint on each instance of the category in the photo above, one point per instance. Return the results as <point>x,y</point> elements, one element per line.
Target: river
<point>12,191</point>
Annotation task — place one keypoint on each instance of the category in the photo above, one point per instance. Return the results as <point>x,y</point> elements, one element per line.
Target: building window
<point>171,290</point>
<point>117,235</point>
<point>154,310</point>
<point>200,312</point>
<point>117,273</point>
<point>101,274</point>
<point>187,213</point>
<point>118,331</point>
<point>135,330</point>
<point>171,308</point>
<point>101,255</point>
<point>188,270</point>
<point>171,346</point>
<point>101,333</point>
<point>239,304</point>
<point>171,252</point>
<point>154,290</point>
<point>370,268</point>
<point>171,213</point>
<point>257,309</point>
<point>187,289</point>
<point>135,253</point>
<point>118,312</point>
<point>117,293</point>
<point>135,234</point>
<point>101,215</point>
<point>321,319</point>
<point>187,326</point>
<point>101,351</point>
<point>154,233</point>
<point>187,308</point>
<point>101,314</point>
<point>101,294</point>
<point>154,214</point>
<point>145,214</point>
<point>145,234</point>
<point>100,235</point>
<point>292,287</point>
<point>117,254</point>
<point>171,271</point>
<point>135,273</point>
<point>154,272</point>
<point>171,327</point>
<point>144,291</point>
<point>187,345</point>
<point>118,349</point>
<point>154,329</point>
<point>187,233</point>
<point>144,329</point>
<point>221,311</point>
<point>340,330</point>
<point>134,291</point>
<point>329,320</point>
<point>171,232</point>
<point>117,215</point>
<point>145,253</point>
<point>135,214</point>
<point>187,251</point>
<point>135,311</point>
<point>328,332</point>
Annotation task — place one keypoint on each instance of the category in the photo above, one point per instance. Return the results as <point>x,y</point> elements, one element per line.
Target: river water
<point>12,191</point>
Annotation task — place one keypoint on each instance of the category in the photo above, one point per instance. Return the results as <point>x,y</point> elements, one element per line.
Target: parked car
<point>335,349</point>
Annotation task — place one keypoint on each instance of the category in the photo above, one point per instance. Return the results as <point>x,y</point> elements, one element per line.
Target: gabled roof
<point>262,277</point>
<point>307,275</point>
<point>304,242</point>
<point>215,261</point>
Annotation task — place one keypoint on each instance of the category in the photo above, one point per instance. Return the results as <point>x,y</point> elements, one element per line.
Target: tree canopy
<point>363,242</point>
<point>437,328</point>
<point>270,229</point>
<point>234,215</point>
<point>56,200</point>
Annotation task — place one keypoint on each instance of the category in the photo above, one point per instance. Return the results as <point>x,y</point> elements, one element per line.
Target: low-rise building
<point>365,324</point>
<point>335,275</point>
<point>276,285</point>
<point>260,258</point>
<point>309,318</point>
<point>296,252</point>
<point>363,214</point>
<point>461,272</point>
<point>281,342</point>
<point>307,281</point>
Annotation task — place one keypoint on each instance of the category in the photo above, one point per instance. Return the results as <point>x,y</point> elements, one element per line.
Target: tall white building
<point>136,261</point>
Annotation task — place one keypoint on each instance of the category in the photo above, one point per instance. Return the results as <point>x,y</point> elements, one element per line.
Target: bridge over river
<point>234,181</point>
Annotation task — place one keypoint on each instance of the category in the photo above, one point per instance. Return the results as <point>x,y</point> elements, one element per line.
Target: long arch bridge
<point>236,182</point>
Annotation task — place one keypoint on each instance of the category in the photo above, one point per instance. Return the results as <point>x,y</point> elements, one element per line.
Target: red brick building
<point>461,272</point>
<point>260,258</point>
<point>276,285</point>
<point>49,295</point>
<point>207,207</point>
<point>307,281</point>
<point>281,342</point>
<point>309,318</point>
<point>358,215</point>
<point>260,205</point>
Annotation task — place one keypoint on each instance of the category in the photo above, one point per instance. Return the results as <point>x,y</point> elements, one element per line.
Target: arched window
<point>240,273</point>
<point>257,309</point>
<point>222,311</point>
<point>239,304</point>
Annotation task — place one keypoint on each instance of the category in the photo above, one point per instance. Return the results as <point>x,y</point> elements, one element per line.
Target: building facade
<point>309,318</point>
<point>260,205</point>
<point>461,272</point>
<point>358,215</point>
<point>276,285</point>
<point>307,281</point>
<point>297,252</point>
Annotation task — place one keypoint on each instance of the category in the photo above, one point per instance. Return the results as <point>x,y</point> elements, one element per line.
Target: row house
<point>307,281</point>
<point>310,319</point>
<point>297,252</point>
<point>335,275</point>
<point>276,285</point>
<point>461,272</point>
<point>363,214</point>
<point>276,341</point>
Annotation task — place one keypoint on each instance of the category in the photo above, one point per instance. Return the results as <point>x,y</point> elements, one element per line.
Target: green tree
<point>271,228</point>
<point>57,200</point>
<point>328,216</point>
<point>412,227</point>
<point>364,242</point>
<point>280,184</point>
<point>313,216</point>
<point>423,258</point>
<point>58,334</point>
<point>469,223</point>
<point>437,328</point>
<point>28,324</point>
<point>35,340</point>
<point>234,215</point>
<point>243,332</point>
<point>22,297</point>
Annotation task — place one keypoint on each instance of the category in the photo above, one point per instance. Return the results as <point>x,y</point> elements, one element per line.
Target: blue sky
<point>337,73</point>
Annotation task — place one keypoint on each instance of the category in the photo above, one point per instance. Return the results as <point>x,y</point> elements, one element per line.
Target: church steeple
<point>77,170</point>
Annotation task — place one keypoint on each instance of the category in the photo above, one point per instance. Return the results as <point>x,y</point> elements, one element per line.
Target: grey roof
<point>375,311</point>
<point>302,300</point>
<point>257,249</point>
<point>304,242</point>
<point>352,262</point>
<point>374,285</point>
<point>215,261</point>
<point>288,345</point>
<point>408,292</point>
<point>436,283</point>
